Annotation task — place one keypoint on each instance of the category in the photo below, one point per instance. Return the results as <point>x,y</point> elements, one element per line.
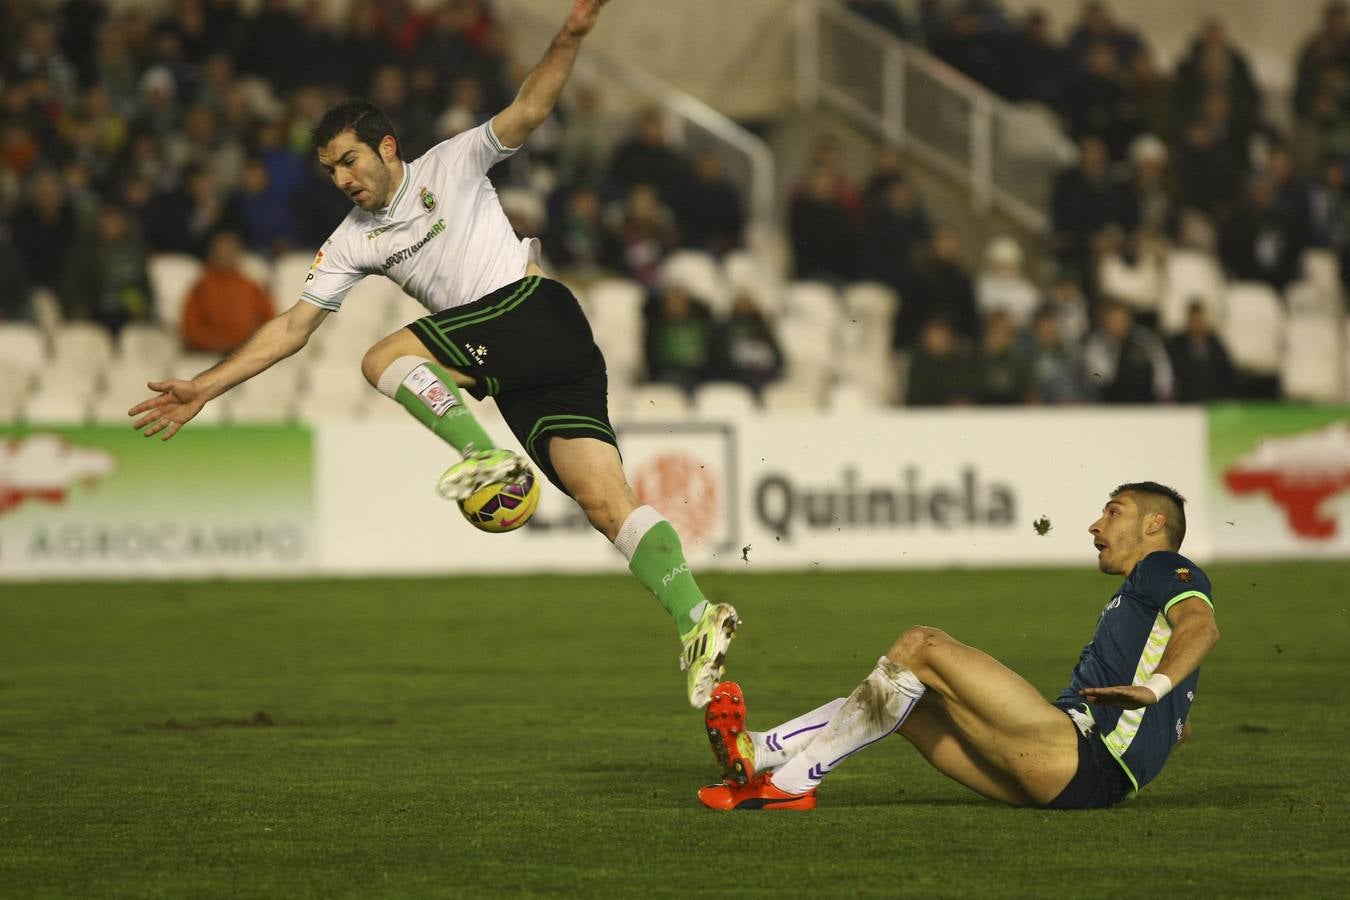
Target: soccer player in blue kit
<point>1106,735</point>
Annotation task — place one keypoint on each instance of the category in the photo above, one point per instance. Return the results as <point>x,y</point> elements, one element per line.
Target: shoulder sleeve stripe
<point>1186,596</point>
<point>320,301</point>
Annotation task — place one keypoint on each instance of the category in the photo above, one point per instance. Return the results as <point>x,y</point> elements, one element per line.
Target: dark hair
<point>362,118</point>
<point>1163,499</point>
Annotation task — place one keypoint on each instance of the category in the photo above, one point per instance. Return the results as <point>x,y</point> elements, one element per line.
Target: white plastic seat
<point>699,273</point>
<point>82,345</point>
<point>1190,276</point>
<point>614,299</point>
<point>1308,297</point>
<point>172,276</point>
<point>622,344</point>
<point>258,407</point>
<point>190,365</point>
<point>52,406</point>
<point>1254,329</point>
<point>256,268</point>
<point>287,279</point>
<point>657,402</point>
<point>724,400</point>
<point>744,273</point>
<point>849,397</point>
<point>791,397</point>
<point>150,346</point>
<point>813,301</point>
<point>22,347</point>
<point>1313,361</point>
<point>337,391</point>
<point>111,409</point>
<point>809,352</point>
<point>1323,268</point>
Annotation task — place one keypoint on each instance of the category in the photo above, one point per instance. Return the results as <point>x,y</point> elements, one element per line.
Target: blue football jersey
<point>1126,648</point>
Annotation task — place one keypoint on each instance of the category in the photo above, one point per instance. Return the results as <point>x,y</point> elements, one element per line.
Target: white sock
<point>395,372</point>
<point>874,710</point>
<point>779,744</point>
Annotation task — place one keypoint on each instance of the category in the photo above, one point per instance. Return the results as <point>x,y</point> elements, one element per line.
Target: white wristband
<point>1159,684</point>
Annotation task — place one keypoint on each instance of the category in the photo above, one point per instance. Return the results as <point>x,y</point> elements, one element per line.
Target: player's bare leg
<point>1004,729</point>
<point>592,472</point>
<point>401,369</point>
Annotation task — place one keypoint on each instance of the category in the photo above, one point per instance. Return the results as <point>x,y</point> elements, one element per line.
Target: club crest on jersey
<point>1183,574</point>
<point>428,200</point>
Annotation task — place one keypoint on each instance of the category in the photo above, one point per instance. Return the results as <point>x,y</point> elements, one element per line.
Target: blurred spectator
<point>1036,66</point>
<point>712,219</point>
<point>1204,371</point>
<point>824,234</point>
<point>884,13</point>
<point>647,158</point>
<point>105,279</point>
<point>1004,377</point>
<point>896,226</point>
<point>746,349</point>
<point>270,50</point>
<point>1054,365</point>
<point>1066,300</point>
<point>942,371</point>
<point>679,339</point>
<point>577,241</point>
<point>1323,131</point>
<point>1214,64</point>
<point>642,231</point>
<point>1263,241</point>
<point>965,46</point>
<point>316,206</point>
<point>363,48</point>
<point>1329,208</point>
<point>184,220</point>
<point>1153,95</point>
<point>1326,52</point>
<point>1085,200</point>
<point>225,306</point>
<point>1126,362</point>
<point>1149,197</point>
<point>938,287</point>
<point>40,57</point>
<point>1099,26</point>
<point>1209,176</point>
<point>1002,288</point>
<point>466,109</point>
<point>1098,104</point>
<point>264,213</point>
<point>580,151</point>
<point>15,287</point>
<point>1132,269</point>
<point>44,230</point>
<point>203,144</point>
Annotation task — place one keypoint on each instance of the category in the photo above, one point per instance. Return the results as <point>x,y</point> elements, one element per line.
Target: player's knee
<point>915,643</point>
<point>373,364</point>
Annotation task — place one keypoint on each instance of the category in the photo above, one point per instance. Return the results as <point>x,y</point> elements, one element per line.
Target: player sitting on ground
<point>498,327</point>
<point>1106,736</point>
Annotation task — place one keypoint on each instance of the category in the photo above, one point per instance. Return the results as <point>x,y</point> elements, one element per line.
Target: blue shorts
<point>1099,782</point>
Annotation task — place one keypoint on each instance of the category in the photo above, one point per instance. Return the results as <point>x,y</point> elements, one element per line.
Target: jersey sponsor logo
<point>666,579</point>
<point>409,252</point>
<point>372,235</point>
<point>1183,574</point>
<point>1114,604</point>
<point>428,200</point>
<point>1301,474</point>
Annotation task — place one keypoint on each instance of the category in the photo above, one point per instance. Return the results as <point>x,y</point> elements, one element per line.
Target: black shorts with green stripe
<point>529,347</point>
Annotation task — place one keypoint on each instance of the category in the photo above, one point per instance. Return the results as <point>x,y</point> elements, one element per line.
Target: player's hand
<point>178,401</point>
<point>1126,696</point>
<point>584,14</point>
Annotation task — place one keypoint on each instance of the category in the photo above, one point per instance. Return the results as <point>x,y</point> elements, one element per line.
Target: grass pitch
<point>529,737</point>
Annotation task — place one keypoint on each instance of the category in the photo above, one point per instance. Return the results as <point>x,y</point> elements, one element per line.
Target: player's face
<point>357,171</point>
<point>1118,535</point>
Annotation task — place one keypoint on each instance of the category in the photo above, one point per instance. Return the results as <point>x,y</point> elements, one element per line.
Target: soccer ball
<point>502,506</point>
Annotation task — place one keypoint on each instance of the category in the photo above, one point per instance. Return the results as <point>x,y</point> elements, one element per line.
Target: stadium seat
<point>53,406</point>
<point>614,299</point>
<point>815,302</point>
<point>149,346</point>
<point>287,278</point>
<point>1313,361</point>
<point>258,407</point>
<point>614,308</point>
<point>1140,286</point>
<point>657,402</point>
<point>22,347</point>
<point>724,400</point>
<point>256,268</point>
<point>111,409</point>
<point>278,386</point>
<point>848,397</point>
<point>1322,268</point>
<point>172,276</point>
<point>1191,275</point>
<point>744,273</point>
<point>1309,297</point>
<point>190,365</point>
<point>791,397</point>
<point>337,392</point>
<point>809,351</point>
<point>82,345</point>
<point>1254,329</point>
<point>699,273</point>
<point>14,387</point>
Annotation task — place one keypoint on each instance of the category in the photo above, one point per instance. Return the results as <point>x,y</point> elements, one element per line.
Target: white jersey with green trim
<point>1131,636</point>
<point>444,237</point>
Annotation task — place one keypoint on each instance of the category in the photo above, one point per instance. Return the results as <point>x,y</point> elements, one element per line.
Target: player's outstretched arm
<point>539,92</point>
<point>1194,634</point>
<point>177,401</point>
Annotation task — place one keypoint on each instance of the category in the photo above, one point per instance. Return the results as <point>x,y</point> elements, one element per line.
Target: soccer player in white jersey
<point>1109,732</point>
<point>498,326</point>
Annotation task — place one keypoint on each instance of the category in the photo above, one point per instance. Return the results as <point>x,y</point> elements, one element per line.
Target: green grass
<point>529,736</point>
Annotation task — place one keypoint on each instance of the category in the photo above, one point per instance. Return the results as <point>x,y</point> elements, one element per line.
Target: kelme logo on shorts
<point>428,200</point>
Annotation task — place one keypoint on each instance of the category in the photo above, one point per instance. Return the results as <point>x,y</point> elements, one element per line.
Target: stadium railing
<point>1007,155</point>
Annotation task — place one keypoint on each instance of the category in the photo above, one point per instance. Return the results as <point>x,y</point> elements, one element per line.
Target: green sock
<point>658,562</point>
<point>435,400</point>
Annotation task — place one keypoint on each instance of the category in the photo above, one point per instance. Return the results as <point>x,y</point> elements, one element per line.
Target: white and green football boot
<point>705,651</point>
<point>480,469</point>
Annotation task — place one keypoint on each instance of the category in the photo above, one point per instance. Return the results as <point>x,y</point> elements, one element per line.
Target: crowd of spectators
<point>123,134</point>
